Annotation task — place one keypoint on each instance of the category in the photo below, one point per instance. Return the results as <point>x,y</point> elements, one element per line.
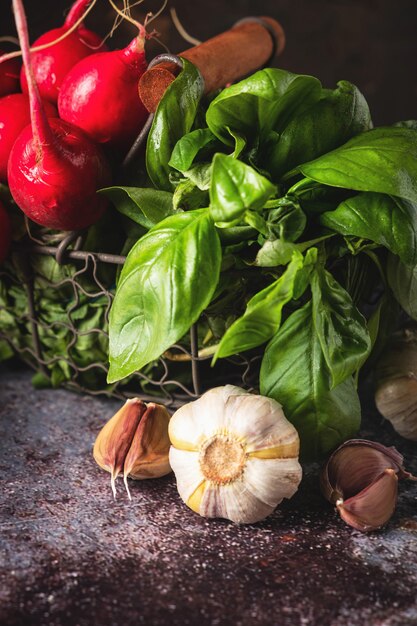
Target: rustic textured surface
<point>71,555</point>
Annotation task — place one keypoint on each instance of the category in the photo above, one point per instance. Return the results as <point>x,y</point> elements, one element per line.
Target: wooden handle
<point>223,59</point>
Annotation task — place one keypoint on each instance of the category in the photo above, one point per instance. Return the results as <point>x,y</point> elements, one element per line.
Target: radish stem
<point>41,130</point>
<point>76,12</point>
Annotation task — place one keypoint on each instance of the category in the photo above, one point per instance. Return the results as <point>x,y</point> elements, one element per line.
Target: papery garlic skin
<point>234,454</point>
<point>114,439</point>
<point>361,479</point>
<point>134,443</point>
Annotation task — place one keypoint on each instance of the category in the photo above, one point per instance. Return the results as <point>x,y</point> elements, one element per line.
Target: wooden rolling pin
<point>223,59</point>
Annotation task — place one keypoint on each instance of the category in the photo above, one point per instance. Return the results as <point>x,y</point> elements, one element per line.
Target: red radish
<point>54,168</point>
<point>9,76</point>
<point>5,233</point>
<point>51,65</point>
<point>14,116</point>
<point>100,94</point>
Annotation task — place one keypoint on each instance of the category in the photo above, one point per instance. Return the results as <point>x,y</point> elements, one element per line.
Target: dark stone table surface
<point>70,554</point>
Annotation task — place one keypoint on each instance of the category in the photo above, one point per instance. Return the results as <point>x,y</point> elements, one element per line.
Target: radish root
<point>125,14</point>
<point>151,16</point>
<point>120,18</point>
<point>181,30</point>
<point>8,39</point>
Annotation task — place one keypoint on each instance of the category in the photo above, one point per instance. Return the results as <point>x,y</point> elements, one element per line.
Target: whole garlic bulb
<point>396,382</point>
<point>234,454</point>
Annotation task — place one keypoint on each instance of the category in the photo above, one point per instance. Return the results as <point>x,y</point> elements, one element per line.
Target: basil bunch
<point>273,211</point>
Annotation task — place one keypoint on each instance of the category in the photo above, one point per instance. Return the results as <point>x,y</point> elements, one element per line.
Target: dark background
<point>372,43</point>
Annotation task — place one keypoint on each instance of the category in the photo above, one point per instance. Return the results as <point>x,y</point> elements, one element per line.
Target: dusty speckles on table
<point>70,554</point>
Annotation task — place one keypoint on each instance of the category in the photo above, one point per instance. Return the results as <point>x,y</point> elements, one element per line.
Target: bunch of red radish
<point>52,160</point>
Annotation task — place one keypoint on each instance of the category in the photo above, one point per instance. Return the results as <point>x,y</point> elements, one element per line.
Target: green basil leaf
<point>279,252</point>
<point>235,235</point>
<point>173,119</point>
<point>382,160</point>
<point>403,281</point>
<point>262,317</point>
<point>167,280</point>
<point>240,143</point>
<point>340,328</point>
<point>275,253</point>
<point>188,147</point>
<point>302,279</point>
<point>315,198</point>
<point>264,101</point>
<point>382,322</point>
<point>256,221</point>
<point>339,115</point>
<point>187,196</point>
<point>294,373</point>
<point>386,220</point>
<point>373,324</point>
<point>200,175</point>
<point>286,222</point>
<point>236,187</point>
<point>144,206</point>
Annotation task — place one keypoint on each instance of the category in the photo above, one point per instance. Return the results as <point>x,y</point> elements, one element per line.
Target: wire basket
<point>63,351</point>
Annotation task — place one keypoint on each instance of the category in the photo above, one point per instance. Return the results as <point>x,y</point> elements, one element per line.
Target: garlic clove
<point>147,456</point>
<point>261,422</point>
<point>361,478</point>
<point>196,421</point>
<point>374,506</point>
<point>114,440</point>
<point>187,470</point>
<point>134,442</point>
<point>351,473</point>
<point>355,465</point>
<point>194,501</point>
<point>211,415</point>
<point>272,480</point>
<point>234,502</point>
<point>183,431</point>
